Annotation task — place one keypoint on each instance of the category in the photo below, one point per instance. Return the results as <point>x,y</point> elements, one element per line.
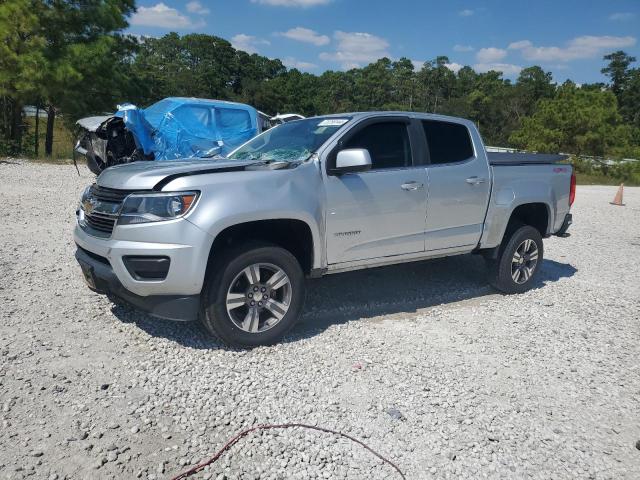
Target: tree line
<point>72,58</point>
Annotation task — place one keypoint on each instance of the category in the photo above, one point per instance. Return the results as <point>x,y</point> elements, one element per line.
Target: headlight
<point>83,199</point>
<point>85,195</point>
<point>155,207</point>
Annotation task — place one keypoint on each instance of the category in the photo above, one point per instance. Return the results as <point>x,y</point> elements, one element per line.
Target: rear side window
<point>447,142</point>
<point>195,119</point>
<point>387,142</point>
<point>232,120</point>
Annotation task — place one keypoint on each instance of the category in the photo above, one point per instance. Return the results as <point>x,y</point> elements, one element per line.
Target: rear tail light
<point>572,189</point>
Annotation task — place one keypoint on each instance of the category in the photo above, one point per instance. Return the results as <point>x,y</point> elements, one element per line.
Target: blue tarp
<point>189,127</point>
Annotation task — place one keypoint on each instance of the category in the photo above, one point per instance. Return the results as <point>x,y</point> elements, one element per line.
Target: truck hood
<point>93,123</point>
<point>146,175</point>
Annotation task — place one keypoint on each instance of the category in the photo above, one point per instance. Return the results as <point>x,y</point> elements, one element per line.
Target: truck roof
<point>378,113</point>
<point>206,101</point>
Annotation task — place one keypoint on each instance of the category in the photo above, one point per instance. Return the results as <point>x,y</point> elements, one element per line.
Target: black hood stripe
<point>170,178</point>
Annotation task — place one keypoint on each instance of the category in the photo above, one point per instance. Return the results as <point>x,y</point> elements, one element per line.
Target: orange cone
<point>617,200</point>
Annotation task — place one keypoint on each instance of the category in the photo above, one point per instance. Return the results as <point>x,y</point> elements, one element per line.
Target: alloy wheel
<point>259,297</point>
<point>525,259</point>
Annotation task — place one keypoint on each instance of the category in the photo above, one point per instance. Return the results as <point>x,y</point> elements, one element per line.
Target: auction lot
<point>423,362</point>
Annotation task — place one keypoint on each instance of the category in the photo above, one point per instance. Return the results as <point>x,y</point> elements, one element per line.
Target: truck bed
<point>510,159</point>
<point>526,180</point>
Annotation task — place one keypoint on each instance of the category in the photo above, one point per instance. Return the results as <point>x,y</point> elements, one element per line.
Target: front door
<point>381,212</point>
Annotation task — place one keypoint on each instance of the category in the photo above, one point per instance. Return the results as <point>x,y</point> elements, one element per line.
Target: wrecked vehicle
<point>170,129</point>
<point>284,118</point>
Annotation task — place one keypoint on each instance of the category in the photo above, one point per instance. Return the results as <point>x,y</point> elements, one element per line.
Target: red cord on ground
<point>235,439</point>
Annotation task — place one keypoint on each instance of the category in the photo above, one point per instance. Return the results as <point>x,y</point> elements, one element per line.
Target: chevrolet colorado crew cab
<point>229,241</point>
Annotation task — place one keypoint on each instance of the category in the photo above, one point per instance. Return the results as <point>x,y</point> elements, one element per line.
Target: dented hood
<point>93,123</point>
<point>146,175</point>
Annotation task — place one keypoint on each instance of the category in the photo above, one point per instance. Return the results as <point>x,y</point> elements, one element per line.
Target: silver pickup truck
<point>230,241</point>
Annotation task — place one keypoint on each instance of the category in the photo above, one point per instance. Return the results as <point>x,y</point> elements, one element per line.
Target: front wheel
<point>518,261</point>
<point>254,295</point>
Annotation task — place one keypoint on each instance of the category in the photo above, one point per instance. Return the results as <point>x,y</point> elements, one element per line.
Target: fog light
<point>146,267</point>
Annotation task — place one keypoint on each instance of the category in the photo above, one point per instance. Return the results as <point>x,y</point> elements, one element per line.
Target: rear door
<point>380,212</point>
<point>458,186</point>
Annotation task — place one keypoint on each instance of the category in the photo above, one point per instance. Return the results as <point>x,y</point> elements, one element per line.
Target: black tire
<point>224,270</point>
<point>500,270</point>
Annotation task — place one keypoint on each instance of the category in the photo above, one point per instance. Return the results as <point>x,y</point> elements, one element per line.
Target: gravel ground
<point>423,362</point>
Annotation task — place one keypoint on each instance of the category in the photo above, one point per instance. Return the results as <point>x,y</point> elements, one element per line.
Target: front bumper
<point>102,279</point>
<point>186,245</point>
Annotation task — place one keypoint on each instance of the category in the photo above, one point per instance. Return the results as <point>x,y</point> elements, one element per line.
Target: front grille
<point>101,222</point>
<point>110,195</point>
<point>104,221</point>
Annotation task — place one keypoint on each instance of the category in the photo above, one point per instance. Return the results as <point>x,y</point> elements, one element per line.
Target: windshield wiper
<point>275,164</point>
<point>248,157</point>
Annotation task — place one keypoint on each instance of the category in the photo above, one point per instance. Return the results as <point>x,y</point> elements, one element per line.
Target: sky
<point>566,37</point>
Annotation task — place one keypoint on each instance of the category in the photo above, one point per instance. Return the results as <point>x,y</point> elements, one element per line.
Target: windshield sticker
<point>333,122</point>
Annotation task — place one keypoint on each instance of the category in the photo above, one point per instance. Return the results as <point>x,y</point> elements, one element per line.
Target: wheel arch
<point>536,214</point>
<point>292,234</point>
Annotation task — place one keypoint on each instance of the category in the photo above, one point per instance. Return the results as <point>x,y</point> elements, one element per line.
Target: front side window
<point>447,142</point>
<point>387,143</point>
<point>290,142</point>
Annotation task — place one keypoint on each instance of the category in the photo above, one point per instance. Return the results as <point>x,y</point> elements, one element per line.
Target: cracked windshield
<point>291,142</point>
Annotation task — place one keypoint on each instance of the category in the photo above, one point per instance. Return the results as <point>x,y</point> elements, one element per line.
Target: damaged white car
<point>170,129</point>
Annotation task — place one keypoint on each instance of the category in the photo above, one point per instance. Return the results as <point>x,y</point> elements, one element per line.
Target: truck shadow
<point>365,295</point>
<point>368,295</point>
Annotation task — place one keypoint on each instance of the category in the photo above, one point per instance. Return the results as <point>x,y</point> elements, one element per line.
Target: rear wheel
<point>254,295</point>
<point>518,261</point>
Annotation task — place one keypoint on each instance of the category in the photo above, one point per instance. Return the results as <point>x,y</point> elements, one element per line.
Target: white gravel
<point>423,362</point>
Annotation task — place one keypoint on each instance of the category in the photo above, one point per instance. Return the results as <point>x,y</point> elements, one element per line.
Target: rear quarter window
<point>447,142</point>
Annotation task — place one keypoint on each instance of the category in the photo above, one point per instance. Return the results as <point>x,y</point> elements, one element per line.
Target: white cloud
<point>622,16</point>
<point>160,15</point>
<point>463,48</point>
<point>197,8</point>
<point>292,3</point>
<point>506,68</point>
<point>355,49</point>
<point>305,35</point>
<point>141,38</point>
<point>466,12</point>
<point>300,65</point>
<point>587,46</point>
<point>490,55</point>
<point>519,45</point>
<point>247,43</point>
<point>453,66</point>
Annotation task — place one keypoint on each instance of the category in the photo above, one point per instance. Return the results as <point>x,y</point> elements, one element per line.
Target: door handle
<point>475,180</point>
<point>411,186</point>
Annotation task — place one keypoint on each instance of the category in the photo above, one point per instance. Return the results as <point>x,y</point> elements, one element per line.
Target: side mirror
<point>352,160</point>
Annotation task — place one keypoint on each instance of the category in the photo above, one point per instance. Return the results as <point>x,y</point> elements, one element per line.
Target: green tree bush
<point>578,121</point>
<point>73,57</point>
